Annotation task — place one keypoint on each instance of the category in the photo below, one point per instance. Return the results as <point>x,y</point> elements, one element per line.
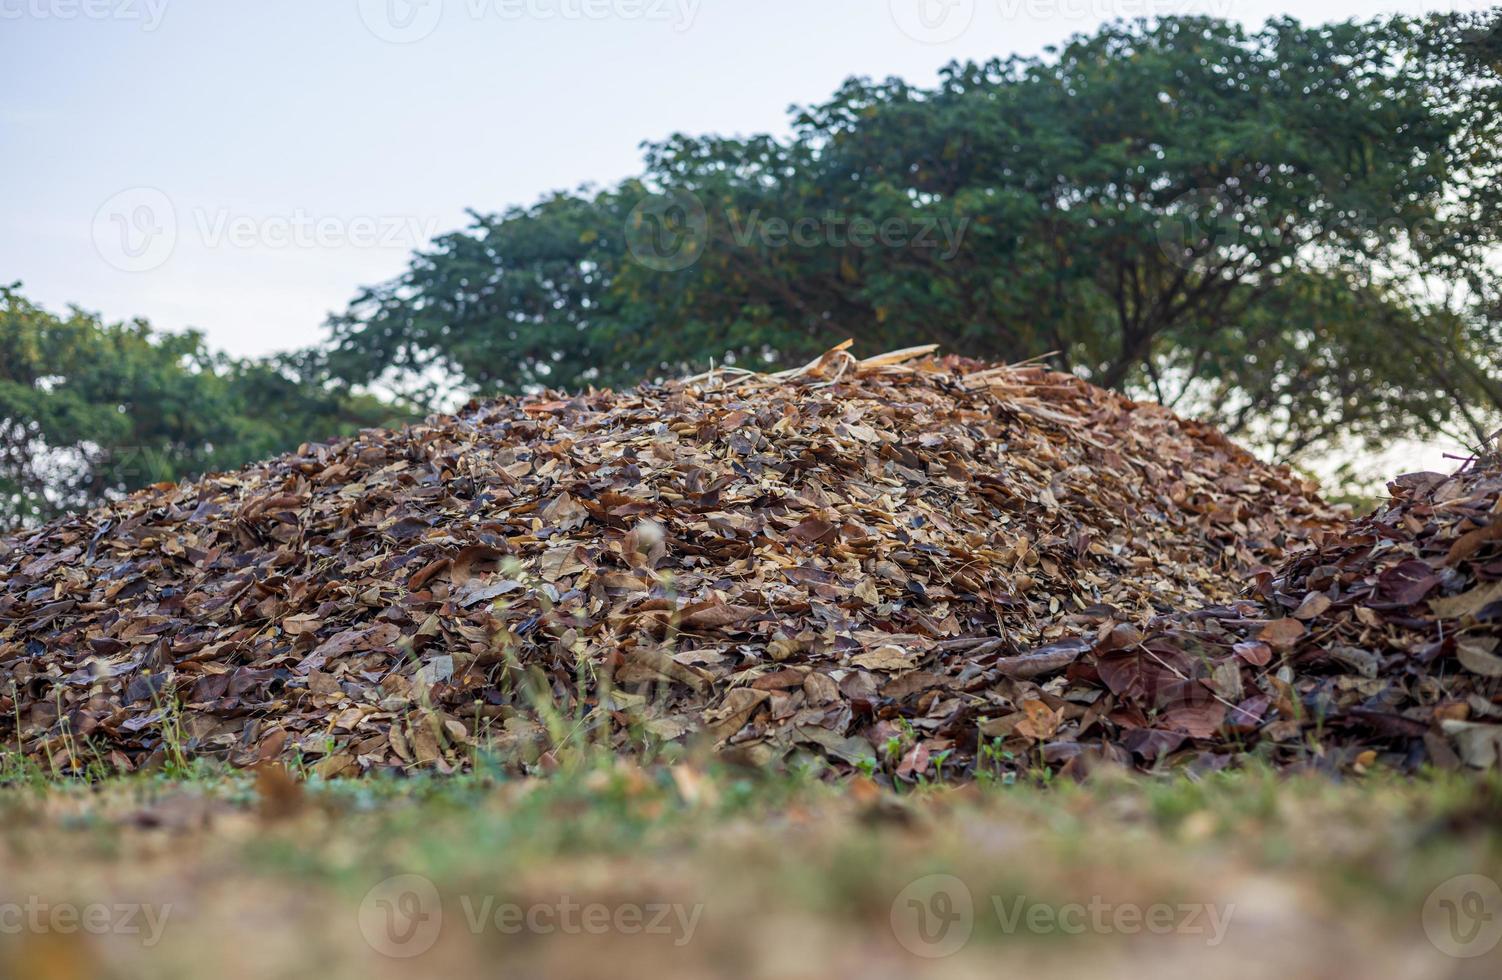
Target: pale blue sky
<point>243,167</point>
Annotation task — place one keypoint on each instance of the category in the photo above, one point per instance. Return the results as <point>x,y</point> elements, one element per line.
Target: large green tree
<point>1288,230</point>
<point>90,410</point>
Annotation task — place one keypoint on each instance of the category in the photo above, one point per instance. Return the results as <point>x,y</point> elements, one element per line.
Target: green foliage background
<point>90,410</point>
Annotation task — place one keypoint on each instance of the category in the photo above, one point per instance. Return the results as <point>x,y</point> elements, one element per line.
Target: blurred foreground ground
<point>625,872</point>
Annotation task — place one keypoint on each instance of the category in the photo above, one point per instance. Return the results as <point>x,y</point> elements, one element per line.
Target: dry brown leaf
<point>1282,633</point>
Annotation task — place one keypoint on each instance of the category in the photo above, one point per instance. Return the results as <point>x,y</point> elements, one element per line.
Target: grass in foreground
<point>613,870</point>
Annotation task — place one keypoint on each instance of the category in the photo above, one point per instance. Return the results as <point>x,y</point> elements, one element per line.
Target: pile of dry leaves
<point>1378,645</point>
<point>919,564</point>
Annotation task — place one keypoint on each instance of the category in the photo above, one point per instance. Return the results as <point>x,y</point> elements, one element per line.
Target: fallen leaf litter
<point>918,565</point>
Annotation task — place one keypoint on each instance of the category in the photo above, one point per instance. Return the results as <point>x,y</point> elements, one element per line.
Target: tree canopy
<point>90,410</point>
<point>1286,230</point>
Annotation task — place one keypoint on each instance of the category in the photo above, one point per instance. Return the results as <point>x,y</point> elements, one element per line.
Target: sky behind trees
<point>243,168</point>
